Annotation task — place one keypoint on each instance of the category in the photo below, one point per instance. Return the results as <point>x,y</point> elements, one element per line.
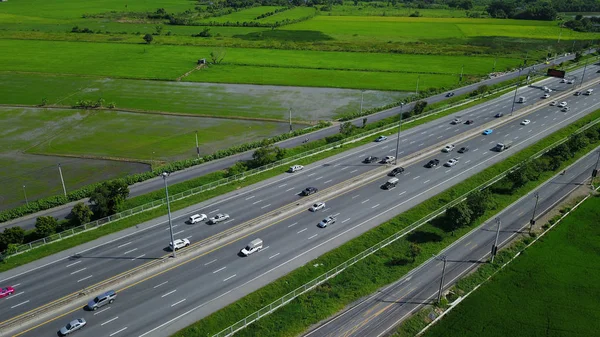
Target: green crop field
<point>370,9</point>
<point>550,290</point>
<point>291,14</point>
<point>245,15</point>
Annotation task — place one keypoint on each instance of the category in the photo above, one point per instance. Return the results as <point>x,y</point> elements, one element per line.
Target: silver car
<point>73,326</point>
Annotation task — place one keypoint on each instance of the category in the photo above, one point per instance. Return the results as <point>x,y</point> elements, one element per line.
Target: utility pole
<point>532,221</point>
<point>582,76</point>
<point>495,246</point>
<point>25,193</point>
<point>595,171</point>
<point>361,100</point>
<point>573,48</point>
<point>439,299</point>
<point>197,146</point>
<point>62,180</point>
<point>559,34</point>
<point>291,118</point>
<point>418,79</point>
<point>165,175</point>
<point>495,60</point>
<point>516,88</point>
<point>461,73</point>
<point>526,58</point>
<point>398,139</point>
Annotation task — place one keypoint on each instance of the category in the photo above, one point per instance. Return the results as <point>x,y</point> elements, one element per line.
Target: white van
<point>197,218</point>
<point>390,184</point>
<point>254,246</point>
<point>589,92</point>
<point>522,99</point>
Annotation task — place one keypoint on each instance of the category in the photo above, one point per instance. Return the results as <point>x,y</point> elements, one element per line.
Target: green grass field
<point>291,14</point>
<point>244,15</point>
<point>550,290</point>
<point>370,9</point>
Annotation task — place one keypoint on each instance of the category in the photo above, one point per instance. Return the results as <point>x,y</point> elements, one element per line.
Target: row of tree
<point>581,24</point>
<point>509,9</point>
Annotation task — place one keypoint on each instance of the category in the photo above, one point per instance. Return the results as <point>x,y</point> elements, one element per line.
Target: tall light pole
<point>495,246</point>
<point>532,221</point>
<point>197,146</point>
<point>595,171</point>
<point>418,79</point>
<point>582,76</point>
<point>439,299</point>
<point>516,88</point>
<point>25,193</point>
<point>495,60</point>
<point>165,175</point>
<point>290,119</point>
<point>398,139</point>
<point>361,100</point>
<point>62,180</point>
<point>461,73</point>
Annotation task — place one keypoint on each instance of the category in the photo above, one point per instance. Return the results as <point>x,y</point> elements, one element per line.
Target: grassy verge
<point>377,270</point>
<point>552,284</point>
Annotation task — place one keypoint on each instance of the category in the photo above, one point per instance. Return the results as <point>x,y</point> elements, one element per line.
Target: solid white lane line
<point>230,277</point>
<point>110,320</point>
<point>14,306</point>
<point>77,271</point>
<point>216,210</point>
<point>328,181</point>
<point>174,304</point>
<point>353,171</point>
<point>265,206</point>
<point>133,250</point>
<point>156,286</point>
<point>138,257</point>
<point>74,263</point>
<point>272,256</point>
<point>250,197</point>
<point>365,201</point>
<point>346,220</point>
<point>314,236</point>
<point>218,270</point>
<point>116,332</point>
<point>301,230</point>
<point>256,202</point>
<point>169,293</point>
<point>83,279</point>
<point>125,244</point>
<point>294,224</point>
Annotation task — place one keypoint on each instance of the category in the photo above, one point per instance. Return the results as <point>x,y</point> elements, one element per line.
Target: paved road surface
<point>225,276</point>
<point>147,186</point>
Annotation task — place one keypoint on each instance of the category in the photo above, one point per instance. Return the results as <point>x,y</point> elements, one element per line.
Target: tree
<point>148,38</point>
<point>419,107</point>
<point>11,235</point>
<point>44,101</point>
<point>159,29</point>
<point>501,9</point>
<point>266,155</point>
<point>518,177</point>
<point>480,201</point>
<point>347,128</point>
<point>81,214</point>
<point>458,216</point>
<point>414,251</point>
<point>45,226</point>
<point>217,56</point>
<point>466,4</point>
<point>237,168</point>
<point>364,120</point>
<point>577,142</point>
<point>107,197</point>
<point>561,151</point>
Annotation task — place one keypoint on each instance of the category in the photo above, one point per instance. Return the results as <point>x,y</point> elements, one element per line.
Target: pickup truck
<point>502,146</point>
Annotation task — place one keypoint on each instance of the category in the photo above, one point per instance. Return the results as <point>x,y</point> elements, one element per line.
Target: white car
<point>553,103</point>
<point>317,206</point>
<point>448,148</point>
<point>570,81</point>
<point>380,139</point>
<point>456,121</point>
<point>525,122</point>
<point>388,159</point>
<point>295,168</point>
<point>197,218</point>
<point>563,81</point>
<point>218,218</point>
<point>546,96</point>
<point>179,243</point>
<point>327,221</point>
<point>73,326</point>
<point>451,162</point>
<point>562,104</point>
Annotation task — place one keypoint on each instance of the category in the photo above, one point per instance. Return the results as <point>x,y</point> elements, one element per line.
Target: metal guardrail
<point>266,310</point>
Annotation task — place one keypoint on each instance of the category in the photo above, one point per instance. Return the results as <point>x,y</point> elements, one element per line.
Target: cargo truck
<point>502,146</point>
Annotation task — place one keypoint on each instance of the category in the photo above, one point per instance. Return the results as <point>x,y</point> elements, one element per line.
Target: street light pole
<point>398,139</point>
<point>62,180</point>
<point>418,79</point>
<point>461,73</point>
<point>290,119</point>
<point>516,88</point>
<point>582,76</point>
<point>361,101</point>
<point>165,175</point>
<point>595,171</point>
<point>532,221</point>
<point>197,146</point>
<point>439,299</point>
<point>495,246</point>
<point>25,193</point>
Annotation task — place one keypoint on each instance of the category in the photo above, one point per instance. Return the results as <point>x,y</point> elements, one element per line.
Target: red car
<point>6,291</point>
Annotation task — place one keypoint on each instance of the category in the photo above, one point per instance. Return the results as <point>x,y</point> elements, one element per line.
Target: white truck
<point>502,146</point>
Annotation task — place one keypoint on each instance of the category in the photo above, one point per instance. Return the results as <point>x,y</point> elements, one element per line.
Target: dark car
<point>463,149</point>
<point>469,122</point>
<point>500,114</point>
<point>450,94</point>
<point>432,163</point>
<point>396,171</point>
<point>577,93</point>
<point>309,191</point>
<point>370,159</point>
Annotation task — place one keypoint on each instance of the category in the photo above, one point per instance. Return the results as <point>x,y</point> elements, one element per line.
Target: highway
<point>61,212</point>
<point>291,242</point>
<point>378,314</point>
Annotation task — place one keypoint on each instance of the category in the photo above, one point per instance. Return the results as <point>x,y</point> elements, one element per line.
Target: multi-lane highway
<point>147,186</point>
<point>380,313</point>
<point>223,275</point>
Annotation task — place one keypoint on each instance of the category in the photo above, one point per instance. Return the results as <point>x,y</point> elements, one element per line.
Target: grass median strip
<point>384,267</point>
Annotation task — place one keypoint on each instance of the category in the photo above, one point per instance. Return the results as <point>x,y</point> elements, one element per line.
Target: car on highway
<point>370,159</point>
<point>451,162</point>
<point>456,121</point>
<point>179,243</point>
<point>218,218</point>
<point>197,218</point>
<point>498,115</point>
<point>553,103</point>
<point>327,221</point>
<point>102,300</point>
<point>546,96</point>
<point>469,122</point>
<point>6,291</point>
<point>448,148</point>
<point>295,168</point>
<point>565,109</point>
<point>463,149</point>
<point>525,122</point>
<point>488,132</point>
<point>380,139</point>
<point>252,247</point>
<point>563,81</point>
<point>396,171</point>
<point>450,94</point>
<point>317,206</point>
<point>387,159</point>
<point>432,163</point>
<point>562,104</point>
<point>577,93</point>
<point>570,81</point>
<point>72,326</point>
<point>309,191</point>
